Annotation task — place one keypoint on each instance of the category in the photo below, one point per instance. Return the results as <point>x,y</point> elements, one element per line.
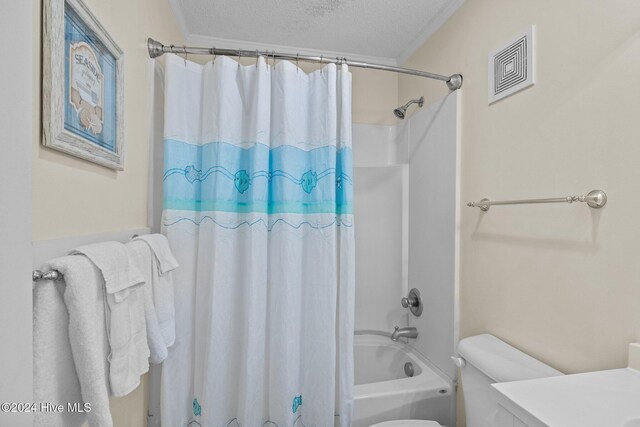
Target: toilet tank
<point>489,360</point>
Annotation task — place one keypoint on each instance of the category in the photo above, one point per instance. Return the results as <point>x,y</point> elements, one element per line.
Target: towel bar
<point>49,275</point>
<point>594,199</point>
<point>54,275</point>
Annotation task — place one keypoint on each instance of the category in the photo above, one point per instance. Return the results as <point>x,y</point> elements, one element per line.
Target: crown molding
<point>208,41</point>
<point>432,26</point>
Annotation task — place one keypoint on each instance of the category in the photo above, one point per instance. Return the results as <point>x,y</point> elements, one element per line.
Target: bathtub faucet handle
<point>406,303</point>
<point>413,302</point>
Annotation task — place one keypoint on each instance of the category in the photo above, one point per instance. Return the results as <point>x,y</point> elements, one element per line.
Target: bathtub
<point>383,391</point>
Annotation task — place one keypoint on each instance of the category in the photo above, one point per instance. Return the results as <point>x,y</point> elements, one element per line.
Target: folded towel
<point>70,345</point>
<point>115,263</point>
<point>125,314</point>
<point>160,247</point>
<point>162,284</point>
<point>146,262</point>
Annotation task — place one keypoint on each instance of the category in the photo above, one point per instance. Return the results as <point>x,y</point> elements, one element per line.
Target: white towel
<point>125,315</point>
<point>160,247</point>
<point>163,285</point>
<point>70,344</point>
<point>146,262</point>
<point>115,263</point>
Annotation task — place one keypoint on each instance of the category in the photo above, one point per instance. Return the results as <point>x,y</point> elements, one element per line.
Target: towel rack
<point>54,275</point>
<point>48,275</point>
<point>594,199</point>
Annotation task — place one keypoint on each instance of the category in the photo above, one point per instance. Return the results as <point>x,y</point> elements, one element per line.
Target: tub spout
<point>409,332</point>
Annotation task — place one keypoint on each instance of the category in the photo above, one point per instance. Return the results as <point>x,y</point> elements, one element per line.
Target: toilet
<point>484,360</point>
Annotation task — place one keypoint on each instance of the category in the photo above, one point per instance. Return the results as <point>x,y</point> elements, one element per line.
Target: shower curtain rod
<point>156,49</point>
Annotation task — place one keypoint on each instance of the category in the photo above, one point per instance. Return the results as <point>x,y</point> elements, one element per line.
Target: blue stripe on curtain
<point>218,176</point>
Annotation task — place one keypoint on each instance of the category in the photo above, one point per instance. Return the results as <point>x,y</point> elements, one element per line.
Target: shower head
<point>401,111</point>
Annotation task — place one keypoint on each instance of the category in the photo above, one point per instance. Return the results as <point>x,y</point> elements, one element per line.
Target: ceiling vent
<point>511,67</point>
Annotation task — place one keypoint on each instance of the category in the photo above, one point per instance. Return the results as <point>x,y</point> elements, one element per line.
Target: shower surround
<point>407,210</point>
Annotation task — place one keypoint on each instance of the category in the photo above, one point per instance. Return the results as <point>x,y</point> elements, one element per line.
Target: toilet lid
<point>407,423</point>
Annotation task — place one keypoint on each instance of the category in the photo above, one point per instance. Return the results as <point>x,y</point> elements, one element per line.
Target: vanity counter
<point>608,398</point>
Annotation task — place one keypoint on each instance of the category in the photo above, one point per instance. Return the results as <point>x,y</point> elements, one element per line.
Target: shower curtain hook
<point>297,62</point>
<point>184,49</point>
<point>239,55</point>
<point>213,51</point>
<point>257,57</point>
<point>273,54</point>
<point>321,59</point>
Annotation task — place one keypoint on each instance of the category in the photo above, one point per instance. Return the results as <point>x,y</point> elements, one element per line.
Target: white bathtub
<point>383,392</point>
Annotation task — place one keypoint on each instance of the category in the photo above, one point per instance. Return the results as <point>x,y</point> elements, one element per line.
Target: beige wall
<point>73,197</point>
<point>560,282</point>
<point>374,96</point>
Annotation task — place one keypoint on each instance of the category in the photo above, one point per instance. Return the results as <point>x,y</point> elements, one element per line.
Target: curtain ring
<point>297,62</point>
<point>184,49</point>
<point>321,60</point>
<point>239,56</point>
<point>273,53</point>
<point>257,57</point>
<point>213,51</point>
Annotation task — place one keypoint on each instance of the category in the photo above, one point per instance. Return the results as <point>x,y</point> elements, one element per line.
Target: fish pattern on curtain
<point>258,201</point>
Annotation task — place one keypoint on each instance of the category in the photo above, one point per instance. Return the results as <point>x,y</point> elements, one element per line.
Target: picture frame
<point>83,85</point>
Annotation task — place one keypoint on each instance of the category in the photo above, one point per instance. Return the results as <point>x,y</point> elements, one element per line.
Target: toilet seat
<point>407,423</point>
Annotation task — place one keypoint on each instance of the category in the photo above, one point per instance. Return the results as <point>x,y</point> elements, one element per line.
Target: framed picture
<point>83,90</point>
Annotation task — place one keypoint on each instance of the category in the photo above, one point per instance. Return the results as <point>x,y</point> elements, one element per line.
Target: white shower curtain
<point>258,210</point>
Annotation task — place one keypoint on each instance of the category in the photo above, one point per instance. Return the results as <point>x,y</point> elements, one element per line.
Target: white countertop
<point>595,399</point>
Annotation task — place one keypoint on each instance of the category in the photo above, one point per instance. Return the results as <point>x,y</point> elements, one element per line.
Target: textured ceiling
<point>385,29</point>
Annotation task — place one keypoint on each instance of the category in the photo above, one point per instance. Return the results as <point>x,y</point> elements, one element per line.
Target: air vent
<point>511,67</point>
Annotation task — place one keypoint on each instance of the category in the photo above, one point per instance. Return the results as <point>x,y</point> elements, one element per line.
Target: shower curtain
<point>258,210</point>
